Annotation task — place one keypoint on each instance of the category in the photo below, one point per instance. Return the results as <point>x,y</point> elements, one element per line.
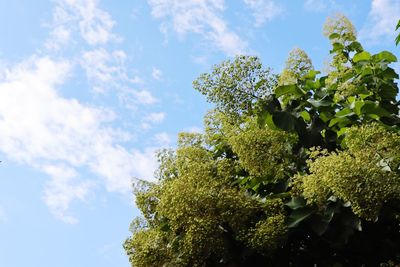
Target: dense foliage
<point>297,169</point>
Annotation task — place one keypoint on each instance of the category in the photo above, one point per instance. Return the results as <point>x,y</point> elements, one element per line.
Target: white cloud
<point>107,71</point>
<point>381,21</point>
<point>152,118</point>
<point>131,98</point>
<point>62,189</point>
<point>264,10</point>
<point>104,69</point>
<point>59,37</point>
<point>61,136</point>
<point>144,97</point>
<point>156,74</point>
<point>203,17</point>
<point>162,139</point>
<point>83,16</point>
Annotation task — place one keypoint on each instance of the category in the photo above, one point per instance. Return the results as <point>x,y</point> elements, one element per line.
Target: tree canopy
<point>296,169</point>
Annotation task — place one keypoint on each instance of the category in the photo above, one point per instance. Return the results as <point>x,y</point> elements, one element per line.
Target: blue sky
<point>89,89</point>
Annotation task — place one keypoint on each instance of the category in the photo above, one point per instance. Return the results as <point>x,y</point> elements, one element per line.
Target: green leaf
<point>320,223</point>
<point>288,89</point>
<point>341,131</point>
<point>390,73</point>
<point>362,56</point>
<point>344,113</point>
<point>296,203</point>
<point>357,107</point>
<point>334,36</point>
<point>284,120</point>
<point>311,74</point>
<point>343,121</point>
<point>261,118</point>
<point>385,56</point>
<point>364,96</point>
<point>319,103</point>
<point>371,108</point>
<point>265,119</point>
<point>305,115</point>
<point>325,116</point>
<point>337,47</point>
<point>388,91</point>
<point>244,180</point>
<point>297,216</point>
<point>366,71</point>
<point>355,46</point>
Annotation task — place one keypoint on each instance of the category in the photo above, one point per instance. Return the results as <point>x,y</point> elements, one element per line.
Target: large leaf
<point>362,56</point>
<point>334,36</point>
<point>265,119</point>
<point>388,91</point>
<point>284,120</point>
<point>385,56</point>
<point>337,47</point>
<point>311,74</point>
<point>357,107</point>
<point>296,203</point>
<point>325,116</point>
<point>355,46</point>
<point>319,103</point>
<point>341,122</point>
<point>299,215</point>
<point>372,108</point>
<point>344,113</point>
<point>305,115</point>
<point>321,222</point>
<point>291,89</point>
<point>390,73</point>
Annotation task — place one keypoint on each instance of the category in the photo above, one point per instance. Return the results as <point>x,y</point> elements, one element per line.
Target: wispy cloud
<point>381,21</point>
<point>93,24</point>
<point>152,118</point>
<point>157,74</point>
<point>264,10</point>
<point>132,98</point>
<point>202,17</point>
<point>107,72</point>
<point>104,68</point>
<point>162,139</point>
<point>62,136</point>
<point>63,188</point>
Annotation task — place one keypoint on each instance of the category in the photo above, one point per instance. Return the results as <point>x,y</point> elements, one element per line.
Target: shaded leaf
<point>296,203</point>
<point>284,120</point>
<point>319,103</point>
<point>299,215</point>
<point>292,89</point>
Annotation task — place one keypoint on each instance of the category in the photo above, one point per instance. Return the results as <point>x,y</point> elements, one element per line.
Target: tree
<point>300,169</point>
